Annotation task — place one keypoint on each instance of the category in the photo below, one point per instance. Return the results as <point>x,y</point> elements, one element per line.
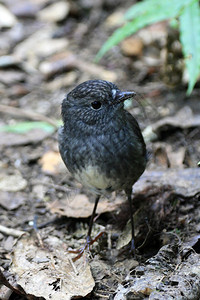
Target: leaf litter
<point>48,271</point>
<point>166,199</point>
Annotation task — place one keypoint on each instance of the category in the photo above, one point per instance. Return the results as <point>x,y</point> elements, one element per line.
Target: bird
<point>101,143</point>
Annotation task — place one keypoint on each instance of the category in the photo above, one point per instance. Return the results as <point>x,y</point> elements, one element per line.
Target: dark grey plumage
<point>101,143</point>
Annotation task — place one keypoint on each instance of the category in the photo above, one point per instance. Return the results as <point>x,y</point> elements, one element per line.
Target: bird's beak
<point>122,96</point>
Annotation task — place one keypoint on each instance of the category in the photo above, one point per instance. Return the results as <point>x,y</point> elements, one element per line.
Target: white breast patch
<point>93,179</point>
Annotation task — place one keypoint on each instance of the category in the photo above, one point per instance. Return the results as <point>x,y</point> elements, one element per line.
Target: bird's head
<point>93,101</point>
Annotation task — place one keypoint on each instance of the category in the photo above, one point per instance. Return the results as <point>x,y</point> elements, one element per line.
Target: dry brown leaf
<point>50,162</point>
<point>176,159</point>
<point>79,206</point>
<point>165,156</point>
<point>12,182</point>
<point>161,155</point>
<point>132,46</point>
<point>125,236</point>
<point>49,272</point>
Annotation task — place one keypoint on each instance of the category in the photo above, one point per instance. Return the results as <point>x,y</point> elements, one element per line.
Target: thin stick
<point>11,231</point>
<point>14,111</point>
<point>73,265</point>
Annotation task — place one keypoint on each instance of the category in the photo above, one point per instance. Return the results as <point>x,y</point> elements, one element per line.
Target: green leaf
<point>143,14</point>
<point>190,39</point>
<point>24,127</point>
<point>160,8</point>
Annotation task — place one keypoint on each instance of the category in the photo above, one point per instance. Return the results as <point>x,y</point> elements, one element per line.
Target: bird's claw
<point>88,243</point>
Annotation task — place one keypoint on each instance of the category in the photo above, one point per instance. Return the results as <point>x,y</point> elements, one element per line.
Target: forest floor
<point>46,49</point>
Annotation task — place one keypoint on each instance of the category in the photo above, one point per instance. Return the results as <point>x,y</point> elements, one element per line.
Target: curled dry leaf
<point>49,272</point>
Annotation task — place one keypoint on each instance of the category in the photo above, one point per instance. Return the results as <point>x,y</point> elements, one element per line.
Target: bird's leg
<point>88,238</point>
<point>128,193</point>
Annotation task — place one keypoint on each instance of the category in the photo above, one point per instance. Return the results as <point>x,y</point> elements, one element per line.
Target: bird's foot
<point>88,243</point>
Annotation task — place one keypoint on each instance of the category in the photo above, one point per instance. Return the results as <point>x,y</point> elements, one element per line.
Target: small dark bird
<point>101,143</point>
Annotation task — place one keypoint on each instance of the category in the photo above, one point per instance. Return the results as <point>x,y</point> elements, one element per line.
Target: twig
<point>14,111</point>
<point>11,231</point>
<point>5,282</point>
<point>55,186</point>
<point>73,265</point>
<point>101,295</point>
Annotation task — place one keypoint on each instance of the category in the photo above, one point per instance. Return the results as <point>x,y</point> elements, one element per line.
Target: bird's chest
<point>96,159</point>
<point>99,149</point>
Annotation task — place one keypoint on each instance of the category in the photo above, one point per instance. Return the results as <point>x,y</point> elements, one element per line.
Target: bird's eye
<point>96,105</point>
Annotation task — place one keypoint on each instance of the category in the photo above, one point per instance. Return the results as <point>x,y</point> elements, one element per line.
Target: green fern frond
<point>143,14</point>
<point>190,40</point>
<point>151,11</point>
